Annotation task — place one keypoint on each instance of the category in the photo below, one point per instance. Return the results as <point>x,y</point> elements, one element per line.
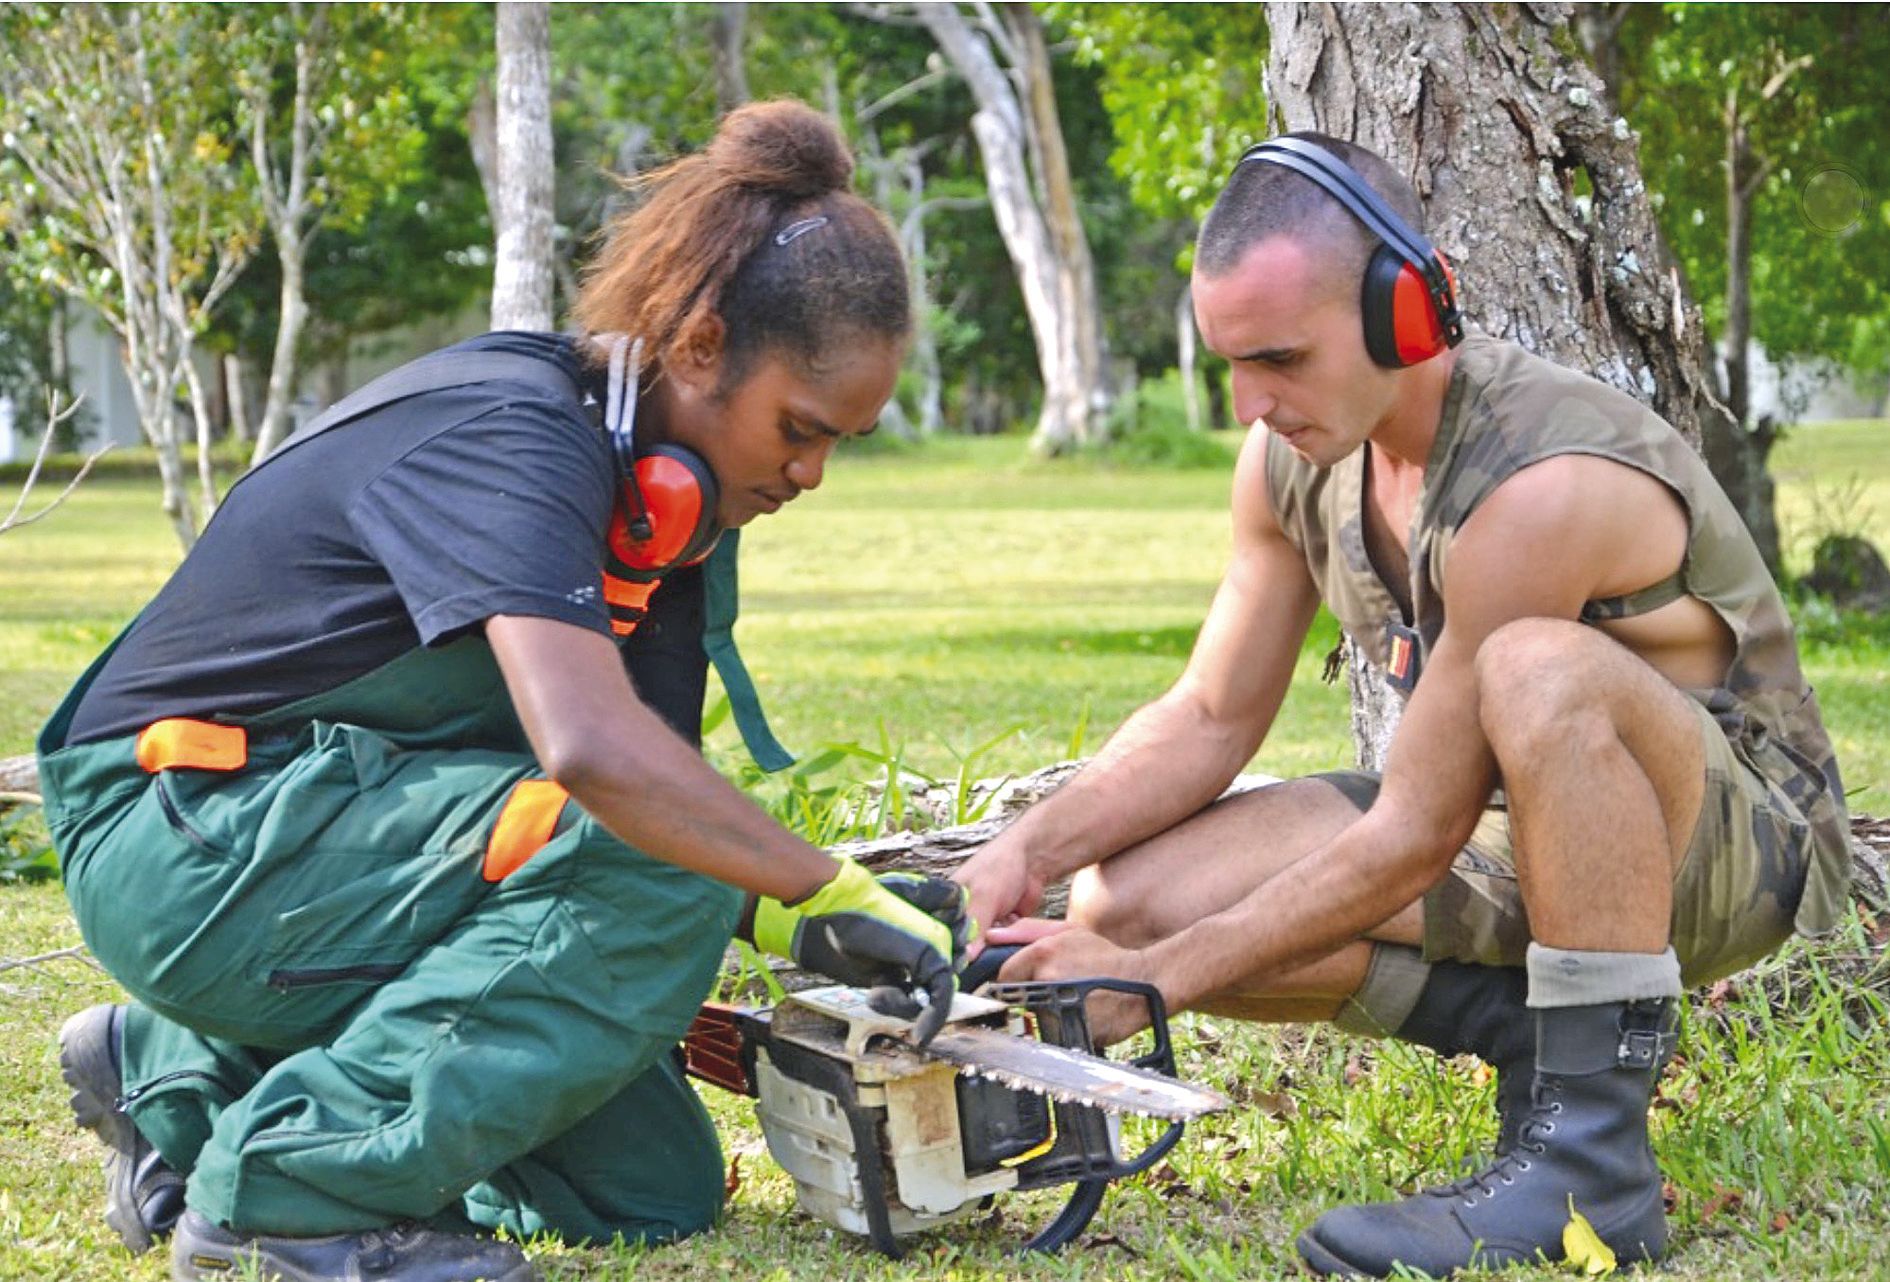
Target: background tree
<point>1762,137</point>
<point>1532,189</point>
<point>1006,63</point>
<point>118,189</point>
<point>33,353</point>
<point>522,273</point>
<point>329,125</point>
<point>1181,85</point>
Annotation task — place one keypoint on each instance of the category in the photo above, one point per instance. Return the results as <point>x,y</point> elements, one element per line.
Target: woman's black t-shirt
<point>409,526</point>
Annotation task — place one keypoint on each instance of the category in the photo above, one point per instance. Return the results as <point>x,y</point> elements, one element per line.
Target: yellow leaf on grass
<point>1583,1246</point>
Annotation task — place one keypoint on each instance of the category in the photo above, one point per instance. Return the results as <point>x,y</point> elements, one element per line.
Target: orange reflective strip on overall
<point>526,823</point>
<point>178,743</point>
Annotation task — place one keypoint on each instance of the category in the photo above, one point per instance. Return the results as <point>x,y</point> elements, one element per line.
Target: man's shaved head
<point>1263,200</point>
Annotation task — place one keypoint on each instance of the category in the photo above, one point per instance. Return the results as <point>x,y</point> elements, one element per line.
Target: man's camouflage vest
<point>1506,409</point>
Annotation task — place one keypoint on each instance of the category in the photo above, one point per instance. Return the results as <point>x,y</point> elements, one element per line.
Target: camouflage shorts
<point>1734,894</point>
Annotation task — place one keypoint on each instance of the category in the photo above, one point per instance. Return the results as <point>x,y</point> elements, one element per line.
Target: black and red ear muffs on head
<point>1409,296</point>
<point>666,502</point>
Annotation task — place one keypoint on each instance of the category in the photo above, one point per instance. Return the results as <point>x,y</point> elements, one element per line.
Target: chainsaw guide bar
<point>879,1045</point>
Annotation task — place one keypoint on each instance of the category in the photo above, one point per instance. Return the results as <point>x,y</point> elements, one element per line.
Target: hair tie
<point>794,231</point>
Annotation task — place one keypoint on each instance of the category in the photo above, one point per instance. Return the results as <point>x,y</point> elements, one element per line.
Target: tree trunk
<point>522,277</point>
<point>1220,418</point>
<point>293,220</point>
<point>199,397</point>
<point>1485,113</point>
<point>482,139</point>
<point>1737,453</point>
<point>731,65</point>
<point>1599,27</point>
<point>1737,340</point>
<point>1057,284</point>
<point>236,396</point>
<point>1075,268</point>
<point>1184,357</point>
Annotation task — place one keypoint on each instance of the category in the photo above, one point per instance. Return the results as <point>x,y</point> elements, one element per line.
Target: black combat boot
<point>1581,1146</point>
<point>1481,1011</point>
<point>403,1253</point>
<point>143,1195</point>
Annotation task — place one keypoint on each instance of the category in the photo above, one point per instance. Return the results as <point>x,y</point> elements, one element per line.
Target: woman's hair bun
<point>782,146</point>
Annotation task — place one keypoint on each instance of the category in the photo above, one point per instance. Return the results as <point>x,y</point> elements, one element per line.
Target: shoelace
<point>1537,1127</point>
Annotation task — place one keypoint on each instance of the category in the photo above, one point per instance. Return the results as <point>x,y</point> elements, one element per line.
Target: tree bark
<point>731,65</point>
<point>522,277</point>
<point>1015,124</point>
<point>1490,118</point>
<point>1599,27</point>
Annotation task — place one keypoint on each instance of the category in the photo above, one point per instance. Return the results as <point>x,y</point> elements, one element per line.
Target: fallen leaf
<point>1781,1222</point>
<point>1669,1196</point>
<point>1721,992</point>
<point>1583,1246</point>
<point>1354,1070</point>
<point>1274,1104</point>
<point>733,1181</point>
<point>1723,1199</point>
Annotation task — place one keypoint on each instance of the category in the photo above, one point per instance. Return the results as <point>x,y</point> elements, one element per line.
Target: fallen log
<point>19,774</point>
<point>941,849</point>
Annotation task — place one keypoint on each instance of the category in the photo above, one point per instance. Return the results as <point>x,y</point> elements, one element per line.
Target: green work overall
<point>341,1018</point>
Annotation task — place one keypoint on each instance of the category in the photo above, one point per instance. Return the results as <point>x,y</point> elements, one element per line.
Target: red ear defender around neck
<point>679,496</point>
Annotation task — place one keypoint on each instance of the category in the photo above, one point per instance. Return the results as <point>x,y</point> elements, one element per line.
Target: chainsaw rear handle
<point>983,970</point>
<point>1062,1018</point>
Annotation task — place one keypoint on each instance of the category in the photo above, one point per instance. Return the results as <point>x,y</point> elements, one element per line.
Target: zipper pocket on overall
<point>168,1079</point>
<point>174,815</point>
<point>287,980</point>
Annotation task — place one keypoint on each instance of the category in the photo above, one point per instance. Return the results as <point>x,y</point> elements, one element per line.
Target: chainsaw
<point>885,1139</point>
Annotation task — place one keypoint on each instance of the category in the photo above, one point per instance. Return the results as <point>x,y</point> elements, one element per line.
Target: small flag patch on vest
<point>1401,664</point>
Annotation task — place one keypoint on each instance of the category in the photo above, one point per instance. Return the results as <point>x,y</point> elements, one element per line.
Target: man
<point>1609,780</point>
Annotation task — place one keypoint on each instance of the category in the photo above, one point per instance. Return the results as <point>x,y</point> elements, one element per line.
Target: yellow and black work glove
<point>863,933</point>
<point>942,898</point>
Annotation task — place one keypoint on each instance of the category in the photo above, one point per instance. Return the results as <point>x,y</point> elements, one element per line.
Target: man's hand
<point>1000,887</point>
<point>1075,953</point>
<point>861,932</point>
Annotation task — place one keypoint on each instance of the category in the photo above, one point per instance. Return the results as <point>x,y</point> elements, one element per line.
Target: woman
<point>311,806</point>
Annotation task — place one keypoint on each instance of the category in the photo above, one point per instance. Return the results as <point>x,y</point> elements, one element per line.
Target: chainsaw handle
<point>984,968</point>
<point>1067,997</point>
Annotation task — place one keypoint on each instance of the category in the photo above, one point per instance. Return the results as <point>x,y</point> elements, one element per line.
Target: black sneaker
<point>403,1253</point>
<point>143,1195</point>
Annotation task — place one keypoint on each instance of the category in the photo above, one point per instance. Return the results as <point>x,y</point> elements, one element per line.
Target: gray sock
<point>1392,985</point>
<point>1570,977</point>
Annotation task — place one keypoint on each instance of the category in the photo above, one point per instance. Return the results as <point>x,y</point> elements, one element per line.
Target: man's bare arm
<point>630,771</point>
<point>1536,548</point>
<point>1178,753</point>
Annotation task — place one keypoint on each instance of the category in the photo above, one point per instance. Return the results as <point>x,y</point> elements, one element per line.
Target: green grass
<point>1788,1114</point>
<point>948,594</point>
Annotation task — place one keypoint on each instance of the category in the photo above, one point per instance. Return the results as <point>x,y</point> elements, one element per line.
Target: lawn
<point>942,598</point>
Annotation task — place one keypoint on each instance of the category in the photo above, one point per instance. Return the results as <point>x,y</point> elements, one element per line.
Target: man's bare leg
<point>1603,763</point>
<point>1216,858</point>
<point>1605,773</point>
